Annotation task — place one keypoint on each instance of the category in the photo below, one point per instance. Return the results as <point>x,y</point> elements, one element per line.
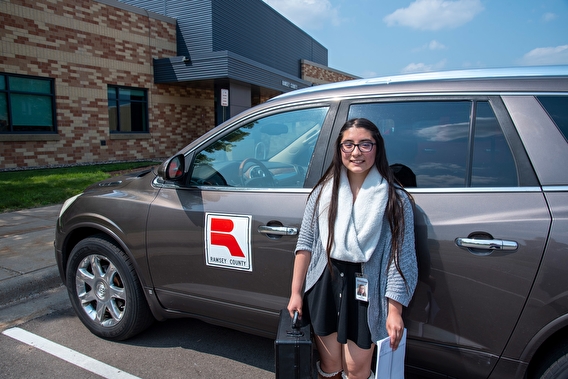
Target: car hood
<point>123,180</point>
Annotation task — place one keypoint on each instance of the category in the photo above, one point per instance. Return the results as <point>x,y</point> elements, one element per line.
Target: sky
<point>370,38</point>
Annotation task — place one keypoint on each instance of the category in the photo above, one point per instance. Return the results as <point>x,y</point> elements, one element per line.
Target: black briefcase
<point>293,348</point>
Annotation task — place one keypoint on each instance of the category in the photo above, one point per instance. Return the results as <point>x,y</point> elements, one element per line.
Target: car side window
<point>493,164</point>
<point>557,108</point>
<point>274,151</point>
<point>428,143</point>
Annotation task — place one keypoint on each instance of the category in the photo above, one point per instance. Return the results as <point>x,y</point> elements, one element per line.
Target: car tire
<point>555,366</point>
<point>105,290</point>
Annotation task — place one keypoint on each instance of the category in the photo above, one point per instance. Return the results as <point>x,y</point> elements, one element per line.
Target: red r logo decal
<point>221,236</point>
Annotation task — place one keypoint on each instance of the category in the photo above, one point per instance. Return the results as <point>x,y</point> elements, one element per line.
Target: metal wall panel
<point>254,30</point>
<point>250,28</point>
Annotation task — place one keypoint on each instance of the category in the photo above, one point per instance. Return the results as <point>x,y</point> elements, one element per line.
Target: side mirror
<point>173,168</point>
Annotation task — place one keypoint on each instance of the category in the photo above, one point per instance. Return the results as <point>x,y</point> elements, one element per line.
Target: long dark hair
<point>394,207</point>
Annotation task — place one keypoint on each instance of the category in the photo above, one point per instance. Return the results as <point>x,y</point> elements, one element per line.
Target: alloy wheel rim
<point>100,290</point>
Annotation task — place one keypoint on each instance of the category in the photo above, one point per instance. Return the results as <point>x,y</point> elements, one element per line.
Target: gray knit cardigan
<point>384,282</point>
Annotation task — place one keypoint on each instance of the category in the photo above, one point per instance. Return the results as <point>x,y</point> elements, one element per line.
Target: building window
<point>27,104</point>
<point>127,110</point>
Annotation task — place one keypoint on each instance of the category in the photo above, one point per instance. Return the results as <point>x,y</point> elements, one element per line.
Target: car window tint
<point>426,142</point>
<point>493,164</point>
<point>557,108</point>
<point>273,151</point>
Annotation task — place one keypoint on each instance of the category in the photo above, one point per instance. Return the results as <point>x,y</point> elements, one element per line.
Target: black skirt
<point>331,306</point>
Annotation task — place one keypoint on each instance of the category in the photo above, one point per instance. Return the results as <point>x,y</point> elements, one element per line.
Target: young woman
<point>357,231</point>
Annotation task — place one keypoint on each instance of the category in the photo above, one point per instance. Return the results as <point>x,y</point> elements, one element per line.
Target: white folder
<point>390,364</point>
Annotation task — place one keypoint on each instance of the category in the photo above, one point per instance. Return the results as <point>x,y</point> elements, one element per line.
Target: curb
<point>26,285</point>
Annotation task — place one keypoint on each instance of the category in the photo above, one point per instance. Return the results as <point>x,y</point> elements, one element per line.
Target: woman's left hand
<point>395,325</point>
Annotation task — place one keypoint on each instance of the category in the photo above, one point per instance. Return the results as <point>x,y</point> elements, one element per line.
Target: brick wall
<point>318,74</point>
<point>85,46</point>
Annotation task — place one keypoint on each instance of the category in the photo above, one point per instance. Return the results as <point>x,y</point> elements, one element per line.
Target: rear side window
<point>557,108</point>
<point>492,163</point>
<point>443,144</point>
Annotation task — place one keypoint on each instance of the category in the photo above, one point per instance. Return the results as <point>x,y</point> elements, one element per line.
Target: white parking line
<point>67,354</point>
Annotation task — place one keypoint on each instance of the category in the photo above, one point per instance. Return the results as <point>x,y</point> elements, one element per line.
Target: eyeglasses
<point>364,147</point>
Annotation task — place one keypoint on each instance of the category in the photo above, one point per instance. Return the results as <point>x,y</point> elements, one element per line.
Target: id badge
<point>361,288</point>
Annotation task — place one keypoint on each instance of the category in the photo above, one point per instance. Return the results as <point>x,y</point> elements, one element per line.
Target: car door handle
<point>486,244</point>
<point>278,230</point>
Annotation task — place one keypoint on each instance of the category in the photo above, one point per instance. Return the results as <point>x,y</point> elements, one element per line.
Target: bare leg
<point>357,361</point>
<point>330,354</point>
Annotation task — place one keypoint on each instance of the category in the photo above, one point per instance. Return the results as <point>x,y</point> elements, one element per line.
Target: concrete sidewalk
<point>27,259</point>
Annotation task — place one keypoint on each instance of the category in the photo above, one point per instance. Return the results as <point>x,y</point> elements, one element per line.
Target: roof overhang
<point>224,65</point>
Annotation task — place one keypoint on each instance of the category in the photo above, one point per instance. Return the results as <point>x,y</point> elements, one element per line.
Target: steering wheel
<point>267,177</point>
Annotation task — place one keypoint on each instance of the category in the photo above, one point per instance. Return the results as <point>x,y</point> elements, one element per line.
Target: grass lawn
<point>36,188</point>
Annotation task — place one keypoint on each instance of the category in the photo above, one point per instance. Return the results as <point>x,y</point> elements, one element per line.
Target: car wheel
<point>555,366</point>
<point>105,290</point>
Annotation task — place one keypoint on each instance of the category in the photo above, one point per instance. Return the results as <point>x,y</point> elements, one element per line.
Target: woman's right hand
<point>301,263</point>
<point>295,304</point>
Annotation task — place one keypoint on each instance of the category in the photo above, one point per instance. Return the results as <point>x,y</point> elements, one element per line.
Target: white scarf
<point>358,225</point>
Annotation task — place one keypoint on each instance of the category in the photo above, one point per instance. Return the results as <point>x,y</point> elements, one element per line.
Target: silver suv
<point>211,232</point>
